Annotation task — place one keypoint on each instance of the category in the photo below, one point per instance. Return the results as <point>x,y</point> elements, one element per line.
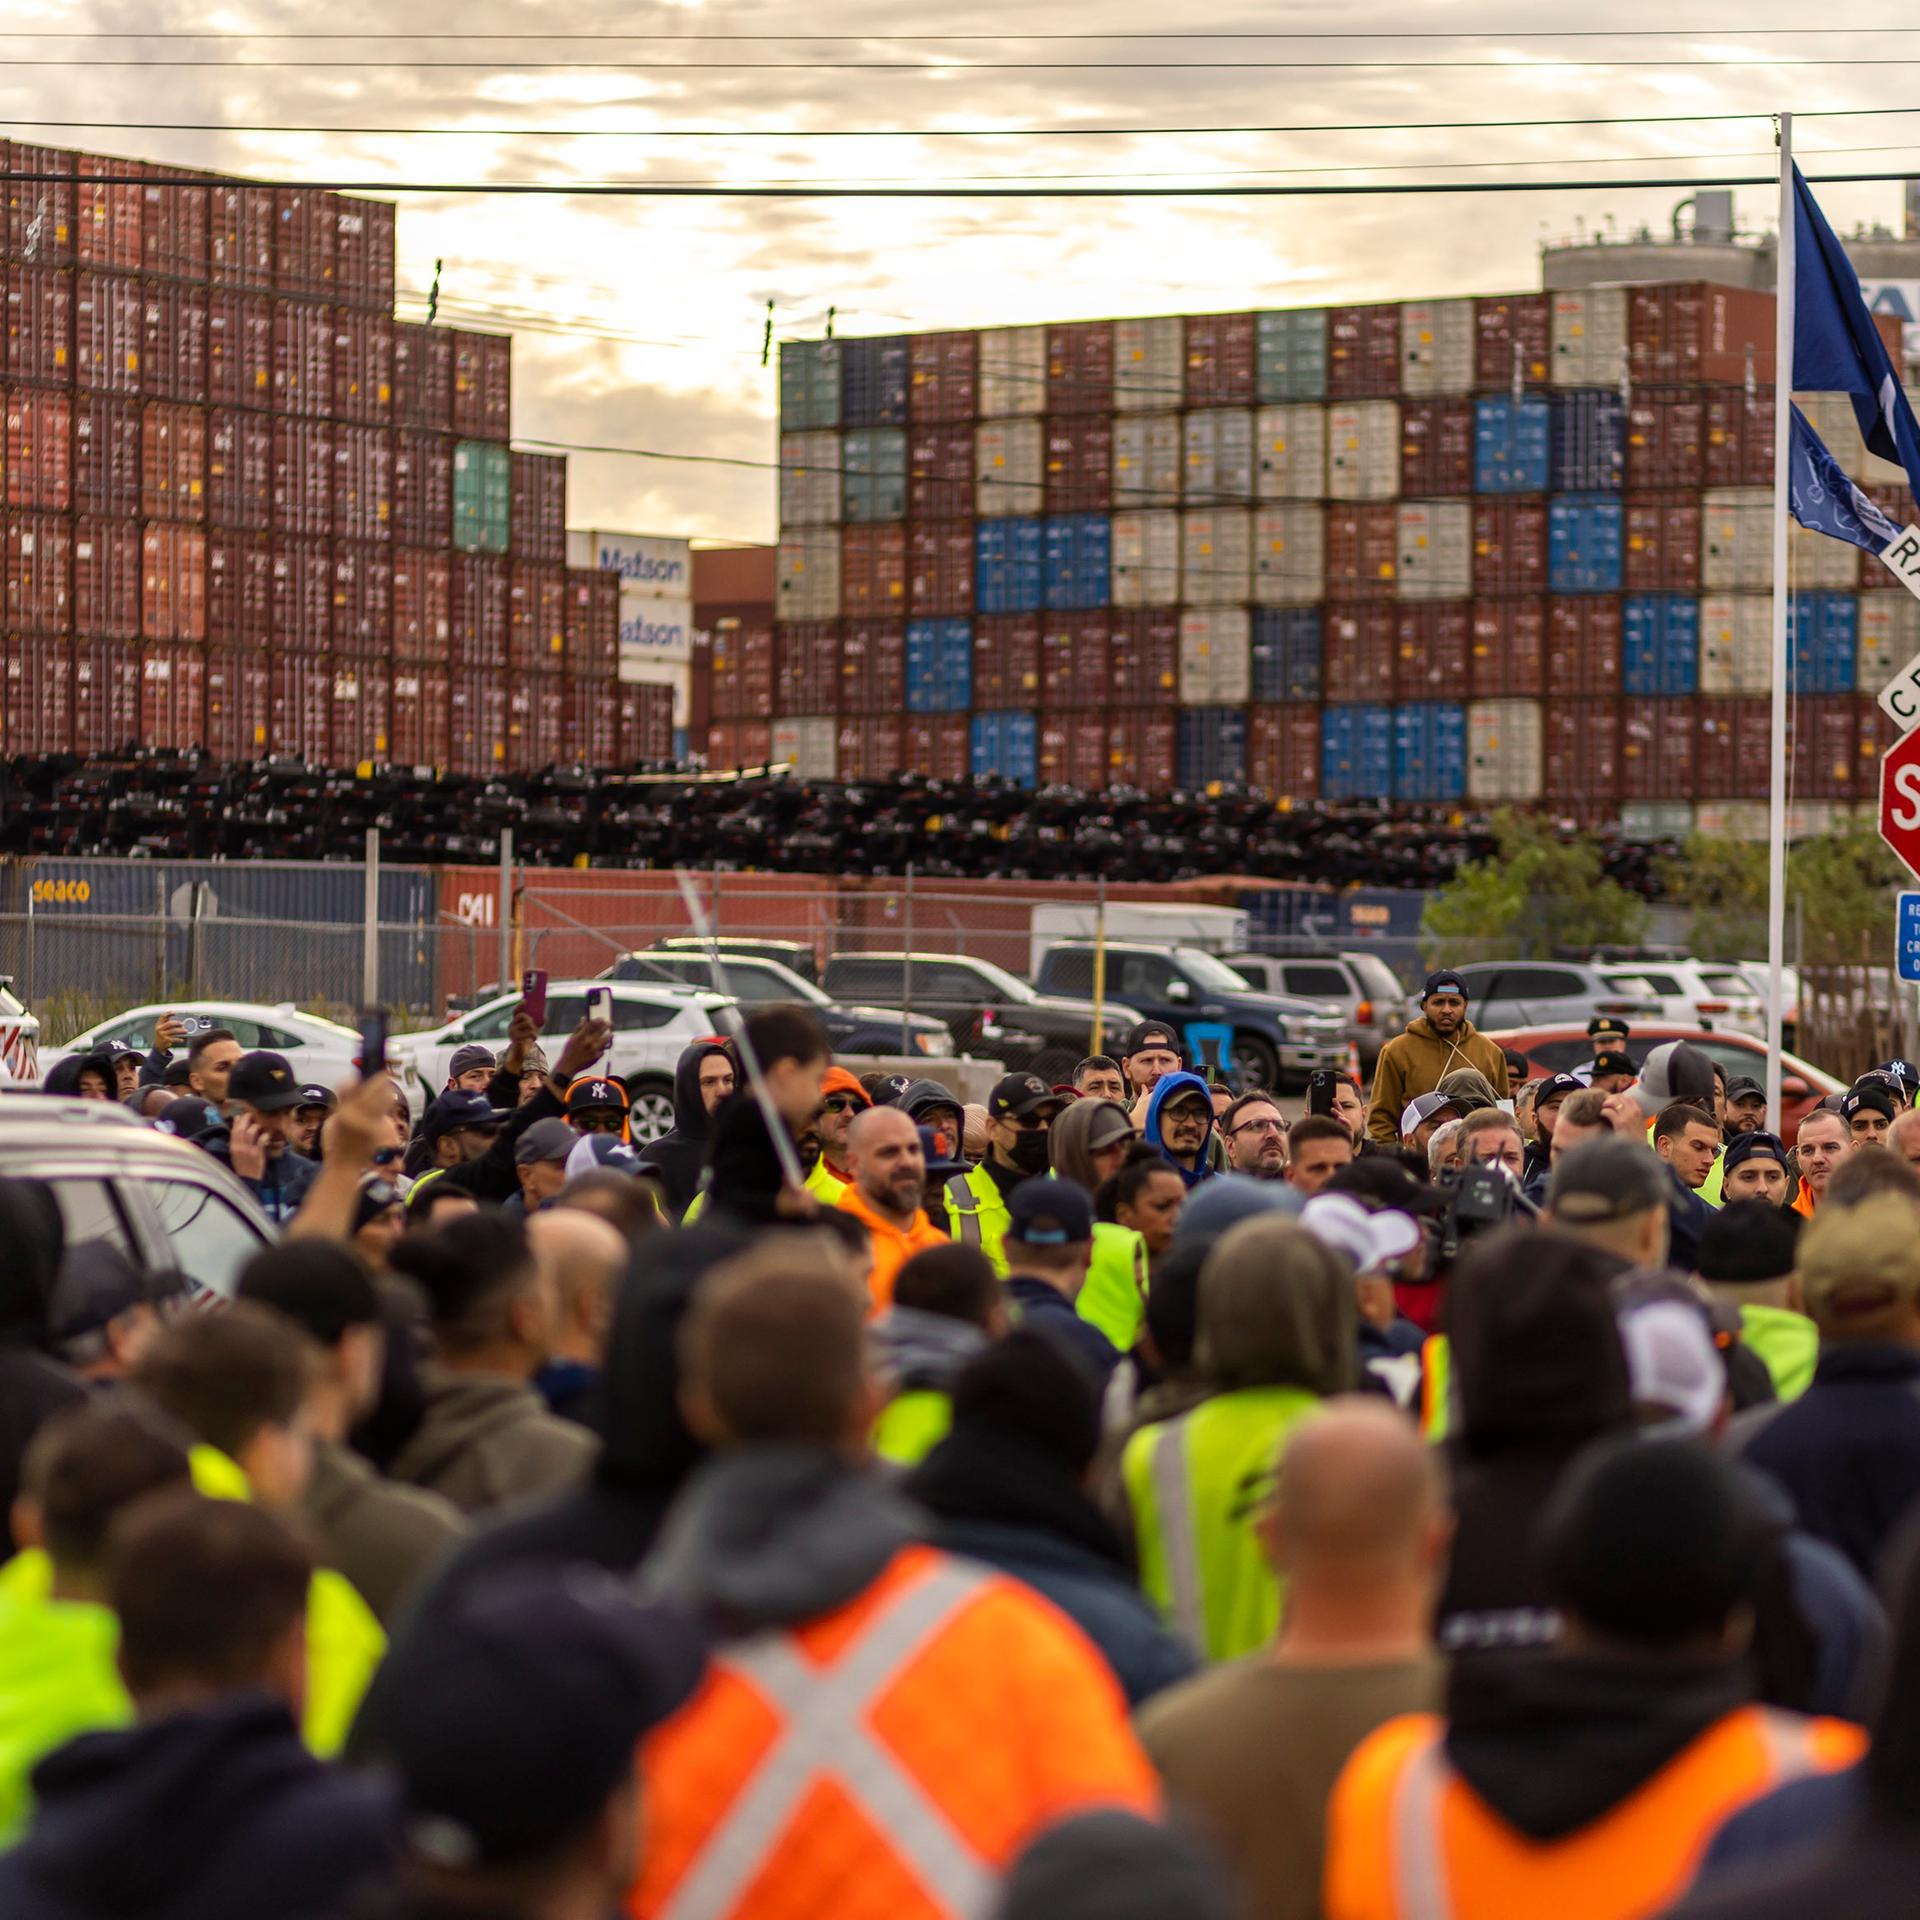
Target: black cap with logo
<point>264,1082</point>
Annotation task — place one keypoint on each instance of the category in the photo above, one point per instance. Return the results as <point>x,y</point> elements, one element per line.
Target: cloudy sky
<point>650,312</point>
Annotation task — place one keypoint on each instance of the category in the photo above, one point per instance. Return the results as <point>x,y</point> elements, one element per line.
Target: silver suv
<point>1552,993</point>
<point>1376,1005</point>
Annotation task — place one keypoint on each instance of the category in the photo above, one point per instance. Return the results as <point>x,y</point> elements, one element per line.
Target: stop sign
<point>1900,800</point>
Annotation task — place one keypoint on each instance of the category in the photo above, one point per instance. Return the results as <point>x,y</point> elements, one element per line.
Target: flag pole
<point>1782,452</point>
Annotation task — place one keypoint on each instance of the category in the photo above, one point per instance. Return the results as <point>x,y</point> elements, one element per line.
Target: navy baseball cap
<point>189,1118</point>
<point>264,1081</point>
<point>1558,1088</point>
<point>1444,982</point>
<point>1751,1146</point>
<point>596,1090</point>
<point>449,1112</point>
<point>1049,1213</point>
<point>1150,1033</point>
<point>315,1095</point>
<point>1905,1072</point>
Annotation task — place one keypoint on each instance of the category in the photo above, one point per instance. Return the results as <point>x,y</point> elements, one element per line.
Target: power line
<point>1877,31</point>
<point>1527,68</point>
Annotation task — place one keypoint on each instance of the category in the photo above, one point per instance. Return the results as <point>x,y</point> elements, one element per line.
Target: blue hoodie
<point>1171,1084</point>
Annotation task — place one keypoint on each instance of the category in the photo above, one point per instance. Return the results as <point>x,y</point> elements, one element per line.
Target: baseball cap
<point>595,1090</point>
<point>1019,1096</point>
<point>97,1283</point>
<point>315,1095</point>
<point>1444,982</point>
<point>1369,1240</point>
<point>189,1117</point>
<point>1856,1262</point>
<point>1558,1088</point>
<point>1672,1364</point>
<point>514,1720</point>
<point>1751,1146</point>
<point>449,1112</point>
<point>264,1082</point>
<point>1744,1087</point>
<point>1869,1097</point>
<point>1049,1213</point>
<point>468,1059</point>
<point>375,1194</point>
<point>548,1139</point>
<point>1150,1033</point>
<point>594,1150</point>
<point>1605,1180</point>
<point>1905,1072</point>
<point>1110,1123</point>
<point>1748,1242</point>
<point>1607,1064</point>
<point>118,1049</point>
<point>1419,1110</point>
<point>938,1168</point>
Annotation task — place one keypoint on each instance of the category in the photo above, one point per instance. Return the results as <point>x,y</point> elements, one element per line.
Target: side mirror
<point>1179,992</point>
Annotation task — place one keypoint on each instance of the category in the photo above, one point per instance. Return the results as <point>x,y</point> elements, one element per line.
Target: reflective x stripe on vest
<point>827,1730</point>
<point>961,1203</point>
<point>1177,1541</point>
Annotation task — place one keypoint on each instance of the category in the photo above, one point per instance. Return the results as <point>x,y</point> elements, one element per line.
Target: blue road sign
<point>1907,936</point>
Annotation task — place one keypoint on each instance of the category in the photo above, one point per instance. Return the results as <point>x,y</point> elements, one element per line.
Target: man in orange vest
<point>1822,1144</point>
<point>1586,1785</point>
<point>889,1177</point>
<point>878,1716</point>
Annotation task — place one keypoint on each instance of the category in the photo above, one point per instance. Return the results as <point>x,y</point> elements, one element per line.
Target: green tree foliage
<point>1845,882</point>
<point>1724,882</point>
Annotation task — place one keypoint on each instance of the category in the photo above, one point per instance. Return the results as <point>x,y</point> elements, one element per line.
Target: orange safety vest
<point>906,1745</point>
<point>892,1247</point>
<point>1408,1839</point>
<point>1803,1201</point>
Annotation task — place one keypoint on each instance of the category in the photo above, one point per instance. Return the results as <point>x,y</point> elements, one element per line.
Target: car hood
<point>1115,1015</point>
<point>921,1022</point>
<point>1283,1006</point>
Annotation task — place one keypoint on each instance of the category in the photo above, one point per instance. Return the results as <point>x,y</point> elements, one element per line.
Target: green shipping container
<point>874,477</point>
<point>482,496</point>
<point>809,386</point>
<point>1290,354</point>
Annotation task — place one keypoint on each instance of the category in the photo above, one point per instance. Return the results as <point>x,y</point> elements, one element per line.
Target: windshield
<point>1376,976</point>
<point>1213,974</point>
<point>1629,986</point>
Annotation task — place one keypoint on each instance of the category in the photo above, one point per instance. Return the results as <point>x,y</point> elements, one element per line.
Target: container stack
<point>1486,551</point>
<point>249,511</point>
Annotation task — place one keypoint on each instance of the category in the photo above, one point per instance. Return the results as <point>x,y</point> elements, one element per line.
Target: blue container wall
<point>1823,635</point>
<point>939,666</point>
<point>1510,445</point>
<point>1660,647</point>
<point>1356,752</point>
<point>1430,751</point>
<point>1213,747</point>
<point>1006,746</point>
<point>1584,544</point>
<point>1588,441</point>
<point>873,383</point>
<point>1008,566</point>
<point>1079,561</point>
<point>1286,654</point>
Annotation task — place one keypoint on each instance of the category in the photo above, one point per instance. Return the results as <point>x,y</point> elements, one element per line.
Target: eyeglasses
<point>600,1120</point>
<point>1261,1126</point>
<point>1189,1112</point>
<point>841,1103</point>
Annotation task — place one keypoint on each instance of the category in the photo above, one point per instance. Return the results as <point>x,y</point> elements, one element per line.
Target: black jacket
<point>1865,1868</point>
<point>281,1188</point>
<point>1047,1310</point>
<point>219,1814</point>
<point>680,1153</point>
<point>492,1177</point>
<point>32,1385</point>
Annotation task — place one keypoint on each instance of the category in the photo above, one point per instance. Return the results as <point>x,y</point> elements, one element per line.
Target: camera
<point>1484,1196</point>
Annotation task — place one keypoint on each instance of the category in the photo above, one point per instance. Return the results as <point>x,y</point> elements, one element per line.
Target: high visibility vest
<point>1114,1298</point>
<point>1438,1389</point>
<point>1789,1344</point>
<point>1408,1839</point>
<point>912,1424</point>
<point>1194,1486</point>
<point>977,1215</point>
<point>826,1183</point>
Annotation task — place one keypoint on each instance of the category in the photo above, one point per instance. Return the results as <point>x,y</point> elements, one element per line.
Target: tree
<point>1845,881</point>
<point>1724,882</point>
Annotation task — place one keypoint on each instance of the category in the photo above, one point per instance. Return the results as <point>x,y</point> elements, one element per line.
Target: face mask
<point>1029,1152</point>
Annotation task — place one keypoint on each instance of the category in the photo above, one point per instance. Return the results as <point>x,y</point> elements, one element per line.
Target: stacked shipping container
<point>1491,550</point>
<point>249,511</point>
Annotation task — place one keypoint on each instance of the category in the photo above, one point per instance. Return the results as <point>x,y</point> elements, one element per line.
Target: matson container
<point>1076,556</point>
<point>239,470</point>
<point>39,573</point>
<point>1661,644</point>
<point>302,476</point>
<point>39,449</point>
<point>591,617</point>
<point>873,571</point>
<point>362,367</point>
<point>173,582</point>
<point>1290,354</point>
<point>868,749</point>
<point>1584,640</point>
<point>417,716</point>
<point>302,359</point>
<point>1363,552</point>
<point>1079,457</point>
<point>873,666</point>
<point>36,695</point>
<point>1013,372</point>
<point>939,666</point>
<point>239,589</point>
<point>940,567</point>
<point>807,584</point>
<point>106,453</point>
<point>1149,364</point>
<point>1146,559</point>
<point>1430,751</point>
<point>423,489</point>
<point>1363,451</point>
<point>1437,351</point>
<point>238,695</point>
<point>1589,336</point>
<point>1434,550</point>
<point>1073,752</point>
<point>1436,448</point>
<point>106,578</point>
<point>538,524</point>
<point>1432,644</point>
<point>1508,648</point>
<point>173,342</point>
<point>1283,751</point>
<point>1290,445</point>
<point>1734,757</point>
<point>1218,457</point>
<point>482,385</point>
<point>40,326</point>
<point>1736,643</point>
<point>1739,439</point>
<point>109,328</point>
<point>1512,342</point>
<point>1216,557</point>
<point>1009,573</point>
<point>173,462</point>
<point>302,606</point>
<point>1509,546</point>
<point>1357,651</point>
<point>1289,555</point>
<point>1080,368</point>
<point>1216,665</point>
<point>939,746</point>
<point>107,213</point>
<point>1685,333</point>
<point>1580,754</point>
<point>240,235</point>
<point>1663,544</point>
<point>1356,752</point>
<point>1658,741</point>
<point>40,211</point>
<point>1363,351</point>
<point>1146,659</point>
<point>807,666</point>
<point>1076,659</point>
<point>1510,441</point>
<point>422,620</point>
<point>1008,468</point>
<point>422,377</point>
<point>1147,457</point>
<point>1220,360</point>
<point>173,695</point>
<point>363,597</point>
<point>106,696</point>
<point>1503,750</point>
<point>1667,441</point>
<point>239,348</point>
<point>940,472</point>
<point>941,376</point>
<point>1141,751</point>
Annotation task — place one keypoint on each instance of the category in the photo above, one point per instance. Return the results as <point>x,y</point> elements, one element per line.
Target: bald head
<point>889,1170</point>
<point>581,1257</point>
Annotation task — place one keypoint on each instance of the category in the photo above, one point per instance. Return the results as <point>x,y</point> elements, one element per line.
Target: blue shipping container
<point>1588,442</point>
<point>1007,566</point>
<point>1823,636</point>
<point>1286,654</point>
<point>1006,746</point>
<point>1510,445</point>
<point>1356,753</point>
<point>939,666</point>
<point>1430,751</point>
<point>1079,561</point>
<point>1213,747</point>
<point>873,382</point>
<point>1584,544</point>
<point>1661,644</point>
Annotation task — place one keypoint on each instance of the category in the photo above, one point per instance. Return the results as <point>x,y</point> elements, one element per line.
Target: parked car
<point>1272,1038</point>
<point>165,1204</point>
<point>992,1015</point>
<point>1531,993</point>
<point>652,1027</point>
<point>795,955</point>
<point>1377,1006</point>
<point>1560,1049</point>
<point>1695,993</point>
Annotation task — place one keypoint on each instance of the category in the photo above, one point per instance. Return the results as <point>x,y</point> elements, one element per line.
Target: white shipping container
<point>807,581</point>
<point>1736,643</point>
<point>1589,336</point>
<point>1291,443</point>
<point>1817,563</point>
<point>1736,538</point>
<point>1503,750</point>
<point>1363,450</point>
<point>1216,556</point>
<point>1436,550</point>
<point>653,629</point>
<point>1731,819</point>
<point>1009,476</point>
<point>1013,371</point>
<point>1436,346</point>
<point>1146,462</point>
<point>663,673</point>
<point>809,480</point>
<point>1149,364</point>
<point>1146,559</point>
<point>1219,457</point>
<point>1216,657</point>
<point>1645,820</point>
<point>1889,637</point>
<point>1832,417</point>
<point>1290,555</point>
<point>649,563</point>
<point>808,743</point>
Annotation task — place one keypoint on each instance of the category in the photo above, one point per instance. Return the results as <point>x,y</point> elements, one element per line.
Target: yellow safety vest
<point>977,1215</point>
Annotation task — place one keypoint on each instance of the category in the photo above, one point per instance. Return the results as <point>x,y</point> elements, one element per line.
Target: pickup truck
<point>1274,1037</point>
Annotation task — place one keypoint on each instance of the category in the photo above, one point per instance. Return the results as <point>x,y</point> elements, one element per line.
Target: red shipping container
<point>302,359</point>
<point>302,593</point>
<point>1079,465</point>
<point>106,696</point>
<point>1006,661</point>
<point>1076,661</point>
<point>362,597</point>
<point>1583,645</point>
<point>300,707</point>
<point>422,377</point>
<point>106,454</point>
<point>873,666</point>
<point>173,696</point>
<point>1363,553</point>
<point>423,488</point>
<point>362,367</point>
<point>39,449</point>
<point>362,483</point>
<point>807,653</point>
<point>1140,751</point>
<point>1680,334</point>
<point>1735,755</point>
<point>107,204</point>
<point>422,620</point>
<point>536,706</point>
<point>106,578</point>
<point>869,749</point>
<point>1432,647</point>
<point>1509,546</point>
<point>173,462</point>
<point>940,569</point>
<point>39,573</point>
<point>357,726</point>
<point>1080,368</point>
<point>174,228</point>
<point>238,705</point>
<point>40,210</point>
<point>1657,748</point>
<point>592,620</point>
<point>303,239</point>
<point>302,476</point>
<point>1666,441</point>
<point>1739,439</point>
<point>940,473</point>
<point>36,696</point>
<point>1436,448</point>
<point>240,235</point>
<point>944,367</point>
<point>1824,744</point>
<point>417,723</point>
<point>482,385</point>
<point>536,616</point>
<point>477,601</point>
<point>589,721</point>
<point>1146,658</point>
<point>1512,340</point>
<point>645,716</point>
<point>239,348</point>
<point>1663,544</point>
<point>742,671</point>
<point>1508,647</point>
<point>239,469</point>
<point>1220,360</point>
<point>239,589</point>
<point>936,746</point>
<point>173,341</point>
<point>1358,642</point>
<point>1875,732</point>
<point>1283,752</point>
<point>173,582</point>
<point>539,507</point>
<point>1073,752</point>
<point>109,329</point>
<point>363,253</point>
<point>1581,753</point>
<point>740,743</point>
<point>40,340</point>
<point>1363,352</point>
<point>873,571</point>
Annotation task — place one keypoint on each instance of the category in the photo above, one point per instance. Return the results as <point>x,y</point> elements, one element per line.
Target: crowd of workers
<point>1492,1497</point>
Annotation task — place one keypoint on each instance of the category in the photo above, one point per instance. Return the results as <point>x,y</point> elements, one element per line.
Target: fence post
<point>503,911</point>
<point>195,959</point>
<point>370,924</point>
<point>160,936</point>
<point>906,981</point>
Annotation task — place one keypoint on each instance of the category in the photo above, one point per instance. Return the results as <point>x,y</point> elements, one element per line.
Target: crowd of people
<point>1479,1495</point>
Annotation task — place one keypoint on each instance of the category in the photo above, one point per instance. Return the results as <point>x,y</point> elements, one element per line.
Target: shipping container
<point>535,721</point>
<point>105,695</point>
<point>807,666</point>
<point>482,386</point>
<point>1824,746</point>
<point>305,231</point>
<point>1434,550</point>
<point>809,386</point>
<point>1289,555</point>
<point>1736,539</point>
<point>106,578</point>
<point>869,749</point>
<point>1216,657</point>
<point>36,696</point>
<point>938,748</point>
<point>1079,462</point>
<point>238,695</point>
<point>589,720</point>
<point>1436,448</point>
<point>363,597</point>
<point>1073,752</point>
<point>418,716</point>
<point>239,589</point>
<point>940,558</point>
<point>1667,441</point>
<point>1508,650</point>
<point>40,206</point>
<point>1357,650</point>
<point>1509,546</point>
<point>1008,467</point>
<point>240,223</point>
<point>173,462</point>
<point>1009,568</point>
<point>1584,644</point>
<point>1216,557</point>
<point>1363,451</point>
<point>1290,354</point>
<point>362,367</point>
<point>1080,368</point>
<point>873,667</point>
<point>1430,751</point>
<point>173,342</point>
<point>239,348</point>
<point>1739,439</point>
<point>1006,746</point>
<point>1283,751</point>
<point>173,582</point>
<point>1734,755</point>
<point>106,454</point>
<point>1586,441</point>
<point>482,497</point>
<point>940,472</point>
<point>1589,337</point>
<point>1889,638</point>
<point>363,253</point>
<point>939,666</point>
<point>1580,755</point>
<point>1736,643</point>
<point>1220,360</point>
<point>1356,752</point>
<point>38,450</point>
<point>942,373</point>
<point>1510,444</point>
<point>537,524</point>
<point>1013,372</point>
<point>108,200</point>
<point>1146,658</point>
<point>1816,562</point>
<point>1141,751</point>
<point>40,326</point>
<point>743,668</point>
<point>302,476</point>
<point>873,572</point>
<point>1687,333</point>
<point>1077,556</point>
<point>423,377</point>
<point>1363,352</point>
<point>1660,644</point>
<point>423,488</point>
<point>1363,551</point>
<point>1823,642</point>
<point>1433,643</point>
<point>1211,744</point>
<point>300,707</point>
<point>1512,342</point>
<point>1285,655</point>
<point>477,600</point>
<point>874,481</point>
<point>1503,750</point>
<point>1147,459</point>
<point>1659,740</point>
<point>422,616</point>
<point>1290,442</point>
<point>1585,543</point>
<point>1149,364</point>
<point>591,619</point>
<point>302,359</point>
<point>806,743</point>
<point>1663,544</point>
<point>1437,350</point>
<point>39,573</point>
<point>302,604</point>
<point>1076,661</point>
<point>746,743</point>
<point>173,696</point>
<point>109,328</point>
<point>874,375</point>
<point>360,724</point>
<point>1218,457</point>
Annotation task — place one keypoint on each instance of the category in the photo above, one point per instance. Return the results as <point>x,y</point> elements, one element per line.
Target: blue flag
<point>1824,499</point>
<point>1836,346</point>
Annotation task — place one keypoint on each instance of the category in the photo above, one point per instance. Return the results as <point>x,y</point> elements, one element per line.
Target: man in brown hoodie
<point>1441,1039</point>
